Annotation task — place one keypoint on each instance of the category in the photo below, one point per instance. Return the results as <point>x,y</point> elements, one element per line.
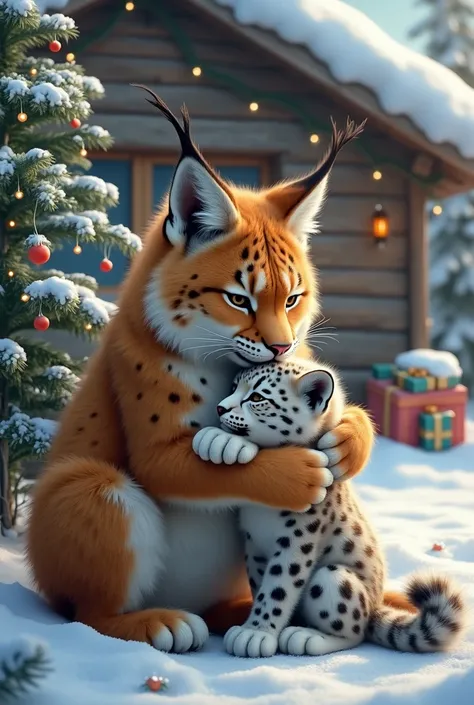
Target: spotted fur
<point>124,531</point>
<point>317,577</point>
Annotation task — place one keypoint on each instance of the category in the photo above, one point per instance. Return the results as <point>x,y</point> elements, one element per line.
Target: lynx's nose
<point>221,410</point>
<point>279,348</point>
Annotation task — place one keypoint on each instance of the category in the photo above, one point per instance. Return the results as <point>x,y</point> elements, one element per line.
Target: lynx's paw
<point>219,446</point>
<point>247,642</point>
<point>181,635</point>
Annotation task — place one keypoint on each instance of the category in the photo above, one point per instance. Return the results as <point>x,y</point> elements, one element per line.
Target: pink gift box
<point>396,411</point>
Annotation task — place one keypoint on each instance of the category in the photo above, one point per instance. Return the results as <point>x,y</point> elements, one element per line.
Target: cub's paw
<point>248,642</point>
<point>348,445</point>
<point>219,446</point>
<point>181,634</point>
<point>301,641</point>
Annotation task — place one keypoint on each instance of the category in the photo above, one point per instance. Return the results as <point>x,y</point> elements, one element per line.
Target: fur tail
<point>438,622</point>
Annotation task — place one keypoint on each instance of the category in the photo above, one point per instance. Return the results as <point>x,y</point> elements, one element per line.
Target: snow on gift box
<point>396,411</point>
<point>424,370</point>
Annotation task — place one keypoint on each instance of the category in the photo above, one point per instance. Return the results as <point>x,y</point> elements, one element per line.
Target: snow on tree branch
<point>28,435</point>
<point>21,8</point>
<point>12,356</point>
<point>61,290</point>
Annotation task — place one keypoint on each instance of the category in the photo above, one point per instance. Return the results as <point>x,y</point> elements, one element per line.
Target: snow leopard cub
<point>322,568</point>
<point>317,578</point>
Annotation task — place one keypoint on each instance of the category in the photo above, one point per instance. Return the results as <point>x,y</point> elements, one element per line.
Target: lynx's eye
<point>292,301</point>
<point>238,301</point>
<point>255,396</point>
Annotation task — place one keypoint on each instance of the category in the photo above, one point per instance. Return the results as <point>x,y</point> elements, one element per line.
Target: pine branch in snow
<point>27,436</point>
<point>23,664</point>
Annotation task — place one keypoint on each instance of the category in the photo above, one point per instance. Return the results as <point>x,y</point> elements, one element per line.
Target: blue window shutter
<point>118,172</point>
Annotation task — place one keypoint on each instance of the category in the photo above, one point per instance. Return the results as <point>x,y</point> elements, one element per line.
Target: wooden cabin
<point>194,51</point>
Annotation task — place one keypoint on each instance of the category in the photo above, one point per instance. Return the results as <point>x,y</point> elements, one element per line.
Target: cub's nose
<point>221,410</point>
<point>279,348</point>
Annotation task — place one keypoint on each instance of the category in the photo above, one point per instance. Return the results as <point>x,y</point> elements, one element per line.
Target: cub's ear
<point>299,202</point>
<point>316,388</point>
<point>201,205</point>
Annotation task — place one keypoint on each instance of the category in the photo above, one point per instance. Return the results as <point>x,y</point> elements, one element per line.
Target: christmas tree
<point>23,663</point>
<point>46,202</point>
<point>449,32</point>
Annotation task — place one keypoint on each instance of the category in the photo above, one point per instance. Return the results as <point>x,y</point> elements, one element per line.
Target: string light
<point>83,152</point>
<point>253,107</point>
<point>437,210</point>
<point>11,273</point>
<point>129,6</point>
<point>11,224</point>
<point>377,175</point>
<point>33,71</point>
<point>77,249</point>
<point>19,194</point>
<point>22,117</point>
<point>314,138</point>
<point>88,326</point>
<point>25,298</point>
<point>70,57</point>
<point>197,71</point>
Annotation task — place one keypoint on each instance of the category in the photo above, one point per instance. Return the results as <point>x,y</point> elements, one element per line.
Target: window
<point>142,182</point>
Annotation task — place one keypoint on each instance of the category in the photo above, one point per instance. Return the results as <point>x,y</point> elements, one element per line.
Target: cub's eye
<point>255,396</point>
<point>292,301</point>
<point>238,300</point>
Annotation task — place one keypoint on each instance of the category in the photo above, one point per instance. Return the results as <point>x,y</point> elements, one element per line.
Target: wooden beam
<point>355,251</point>
<point>141,193</point>
<point>418,263</point>
<point>366,313</point>
<point>363,282</point>
<point>359,349</point>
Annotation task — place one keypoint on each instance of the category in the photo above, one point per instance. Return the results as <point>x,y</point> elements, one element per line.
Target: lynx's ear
<point>201,206</point>
<point>316,388</point>
<point>299,202</point>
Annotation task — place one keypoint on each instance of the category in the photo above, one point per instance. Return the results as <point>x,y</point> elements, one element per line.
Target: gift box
<point>419,380</point>
<point>396,412</point>
<point>436,428</point>
<point>383,370</point>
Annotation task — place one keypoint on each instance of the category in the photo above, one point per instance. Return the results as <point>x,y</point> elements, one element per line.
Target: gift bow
<point>417,372</point>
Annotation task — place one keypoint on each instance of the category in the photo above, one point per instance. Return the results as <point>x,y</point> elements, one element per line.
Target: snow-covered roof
<point>357,51</point>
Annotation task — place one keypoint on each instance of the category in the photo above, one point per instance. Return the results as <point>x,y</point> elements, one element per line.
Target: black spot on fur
<point>139,396</point>
<point>356,614</point>
<point>298,583</point>
<point>316,591</point>
<point>306,548</point>
<point>138,366</point>
<point>369,551</point>
<point>174,398</point>
<point>259,559</point>
<point>331,567</point>
<point>154,418</point>
<point>278,594</point>
<point>255,623</point>
<point>356,628</point>
<point>253,585</point>
<point>245,253</point>
<point>294,568</point>
<point>357,529</point>
<point>260,596</point>
<point>342,608</point>
<point>196,398</point>
<point>337,531</point>
<point>194,276</point>
<point>284,542</point>
<point>359,565</point>
<point>286,420</point>
<point>298,533</point>
<point>327,550</point>
<point>345,590</point>
<point>314,526</point>
<point>195,424</point>
<point>348,546</point>
<point>276,569</point>
<point>290,522</point>
<point>324,614</point>
<point>337,625</point>
<point>93,415</point>
<point>276,611</point>
<point>94,443</point>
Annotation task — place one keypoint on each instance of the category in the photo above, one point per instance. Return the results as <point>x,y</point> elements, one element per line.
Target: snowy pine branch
<point>12,357</point>
<point>27,436</point>
<point>24,662</point>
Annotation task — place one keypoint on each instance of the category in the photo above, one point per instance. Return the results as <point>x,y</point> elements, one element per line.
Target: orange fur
<point>130,417</point>
<point>399,601</point>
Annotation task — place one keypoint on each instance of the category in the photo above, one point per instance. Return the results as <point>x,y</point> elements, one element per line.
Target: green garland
<point>243,90</point>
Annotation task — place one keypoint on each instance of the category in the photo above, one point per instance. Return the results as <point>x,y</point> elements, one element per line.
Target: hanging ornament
<point>197,71</point>
<point>19,194</point>
<point>83,152</point>
<point>55,46</point>
<point>88,326</point>
<point>22,117</point>
<point>156,683</point>
<point>106,265</point>
<point>41,322</point>
<point>77,249</point>
<point>38,250</point>
<point>70,57</point>
<point>33,71</point>
<point>75,122</point>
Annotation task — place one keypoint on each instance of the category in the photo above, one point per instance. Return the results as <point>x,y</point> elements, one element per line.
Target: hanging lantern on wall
<point>380,225</point>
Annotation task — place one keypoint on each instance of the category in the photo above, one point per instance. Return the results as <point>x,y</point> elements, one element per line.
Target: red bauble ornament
<point>75,122</point>
<point>55,46</point>
<point>41,323</point>
<point>39,254</point>
<point>106,265</point>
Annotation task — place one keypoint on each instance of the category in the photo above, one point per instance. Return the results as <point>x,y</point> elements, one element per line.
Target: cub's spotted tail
<point>439,622</point>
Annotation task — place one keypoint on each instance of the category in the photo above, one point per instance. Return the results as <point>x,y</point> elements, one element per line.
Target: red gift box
<point>395,411</point>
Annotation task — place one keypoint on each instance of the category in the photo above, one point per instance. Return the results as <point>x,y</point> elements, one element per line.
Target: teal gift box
<point>420,381</point>
<point>383,370</point>
<point>436,428</point>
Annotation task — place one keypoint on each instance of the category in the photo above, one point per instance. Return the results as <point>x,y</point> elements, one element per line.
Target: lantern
<point>380,224</point>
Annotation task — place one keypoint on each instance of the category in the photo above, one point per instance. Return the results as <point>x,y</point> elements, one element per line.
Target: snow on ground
<point>356,50</point>
<point>415,498</point>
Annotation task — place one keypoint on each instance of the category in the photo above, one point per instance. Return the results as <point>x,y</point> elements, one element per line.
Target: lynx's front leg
<point>285,577</point>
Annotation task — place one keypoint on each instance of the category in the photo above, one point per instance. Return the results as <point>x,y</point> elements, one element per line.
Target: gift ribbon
<point>438,434</point>
<point>387,408</point>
